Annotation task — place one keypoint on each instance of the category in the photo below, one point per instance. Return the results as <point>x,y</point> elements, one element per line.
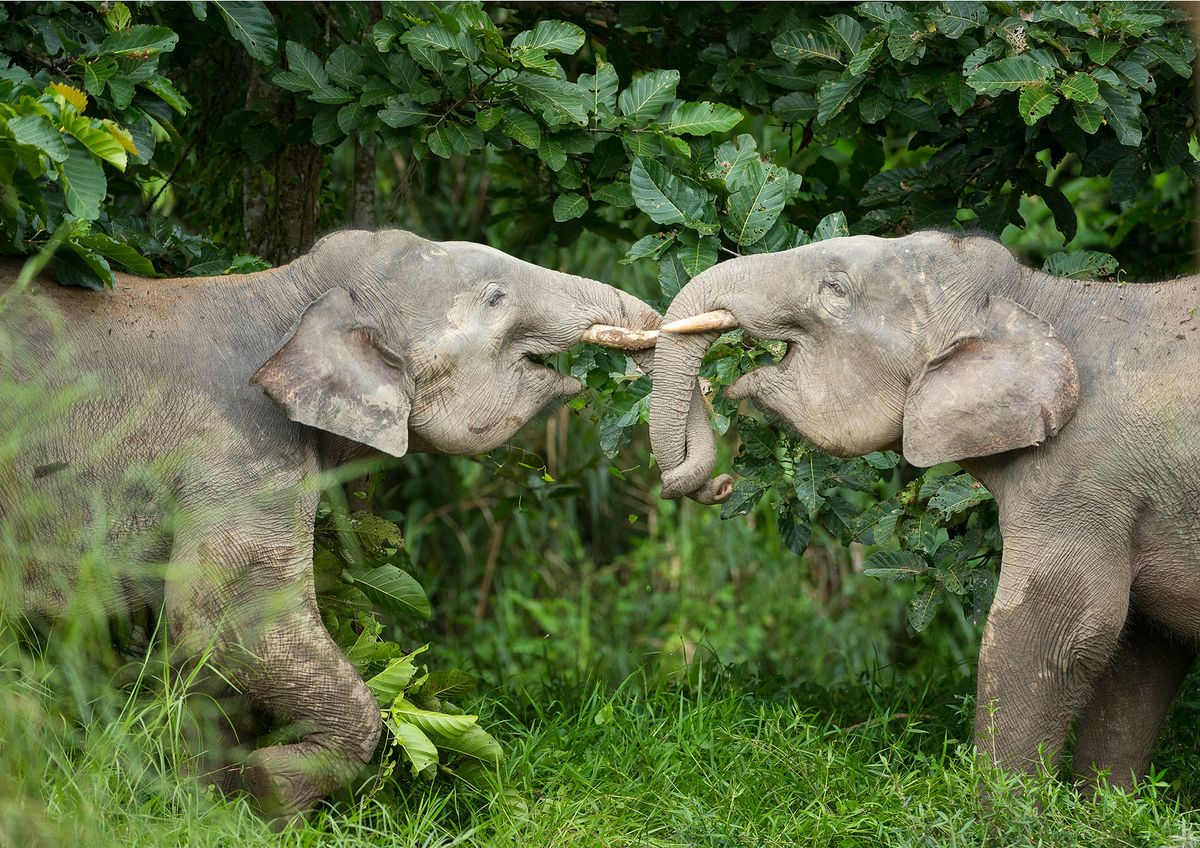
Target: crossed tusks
<point>624,338</point>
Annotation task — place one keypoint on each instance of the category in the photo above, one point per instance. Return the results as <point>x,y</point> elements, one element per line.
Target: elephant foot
<point>286,780</point>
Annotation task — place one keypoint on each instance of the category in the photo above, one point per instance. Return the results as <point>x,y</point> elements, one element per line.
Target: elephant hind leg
<point>1117,730</point>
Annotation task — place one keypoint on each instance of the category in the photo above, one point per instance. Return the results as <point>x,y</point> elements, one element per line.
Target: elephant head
<point>411,342</point>
<point>908,343</point>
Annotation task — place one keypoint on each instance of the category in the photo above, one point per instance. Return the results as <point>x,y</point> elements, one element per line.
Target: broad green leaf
<point>746,493</point>
<point>559,101</point>
<point>252,26</point>
<point>384,33</point>
<point>1122,108</point>
<point>97,72</point>
<point>831,226</point>
<point>521,128</point>
<point>170,95</point>
<point>600,88</point>
<point>475,743</point>
<point>344,66</point>
<point>552,152</point>
<point>1173,59</point>
<point>959,95</point>
<point>421,752</point>
<point>138,41</point>
<point>614,194</point>
<point>836,95</point>
<point>441,724</point>
<point>795,529</point>
<point>37,131</point>
<point>570,206</point>
<point>953,19</point>
<point>1083,265</point>
<point>448,684</point>
<point>448,139</point>
<point>923,607</point>
<point>83,182</point>
<point>389,683</point>
<point>803,45</point>
<point>848,32</point>
<point>432,38</point>
<point>305,71</point>
<point>957,493</point>
<point>118,252</point>
<point>350,117</point>
<point>393,590</point>
<point>696,252</point>
<point>551,37</point>
<point>1100,51</point>
<point>77,265</point>
<point>1089,116</point>
<point>894,565</point>
<point>1008,74</point>
<point>755,206</point>
<point>1080,87</point>
<point>737,162</point>
<point>1036,102</point>
<point>874,106</point>
<point>703,118</point>
<point>99,141</point>
<point>648,246</point>
<point>670,198</point>
<point>648,94</point>
<point>672,276</point>
<point>796,107</point>
<point>403,111</point>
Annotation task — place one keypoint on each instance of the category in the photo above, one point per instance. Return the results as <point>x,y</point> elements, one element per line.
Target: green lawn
<point>716,761</point>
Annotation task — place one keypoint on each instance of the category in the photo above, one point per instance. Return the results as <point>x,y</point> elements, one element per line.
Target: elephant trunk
<point>680,434</point>
<point>632,317</point>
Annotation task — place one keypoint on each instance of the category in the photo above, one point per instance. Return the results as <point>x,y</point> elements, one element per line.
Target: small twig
<point>171,178</point>
<point>489,570</point>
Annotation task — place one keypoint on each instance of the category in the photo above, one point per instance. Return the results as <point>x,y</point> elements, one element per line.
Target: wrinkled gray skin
<point>1075,403</point>
<point>237,392</point>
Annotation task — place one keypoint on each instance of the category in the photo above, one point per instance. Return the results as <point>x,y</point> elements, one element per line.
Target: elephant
<point>1072,401</point>
<point>240,392</point>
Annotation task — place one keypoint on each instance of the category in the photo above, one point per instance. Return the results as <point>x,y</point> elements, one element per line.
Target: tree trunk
<point>362,216</point>
<point>280,195</point>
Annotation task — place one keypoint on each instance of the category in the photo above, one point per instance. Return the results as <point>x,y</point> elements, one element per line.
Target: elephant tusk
<point>718,319</point>
<point>621,338</point>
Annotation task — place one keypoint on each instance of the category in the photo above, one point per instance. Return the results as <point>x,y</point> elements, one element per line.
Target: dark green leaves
<point>252,26</point>
<point>671,199</point>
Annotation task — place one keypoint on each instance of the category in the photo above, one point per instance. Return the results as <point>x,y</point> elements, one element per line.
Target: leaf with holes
<point>1082,265</point>
<point>1036,102</point>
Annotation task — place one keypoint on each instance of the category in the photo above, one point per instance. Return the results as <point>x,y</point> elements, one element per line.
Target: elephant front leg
<point>259,622</point>
<point>1053,628</point>
<point>1118,727</point>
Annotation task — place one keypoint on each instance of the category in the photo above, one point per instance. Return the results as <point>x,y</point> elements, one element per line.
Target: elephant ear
<point>333,375</point>
<point>1010,386</point>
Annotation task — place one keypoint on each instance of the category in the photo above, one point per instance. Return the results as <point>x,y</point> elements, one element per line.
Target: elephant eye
<point>496,295</point>
<point>835,285</point>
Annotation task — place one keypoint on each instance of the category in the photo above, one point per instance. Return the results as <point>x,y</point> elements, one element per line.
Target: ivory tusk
<point>718,319</point>
<point>621,338</point>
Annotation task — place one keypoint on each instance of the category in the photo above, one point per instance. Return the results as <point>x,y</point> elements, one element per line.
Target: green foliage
<point>363,585</point>
<point>82,95</point>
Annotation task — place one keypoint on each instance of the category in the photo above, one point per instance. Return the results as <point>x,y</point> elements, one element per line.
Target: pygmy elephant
<point>240,392</point>
<point>1074,402</point>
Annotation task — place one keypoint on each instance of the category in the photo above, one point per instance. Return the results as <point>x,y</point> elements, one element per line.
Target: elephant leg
<point>1117,730</point>
<point>1054,626</point>
<point>255,615</point>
